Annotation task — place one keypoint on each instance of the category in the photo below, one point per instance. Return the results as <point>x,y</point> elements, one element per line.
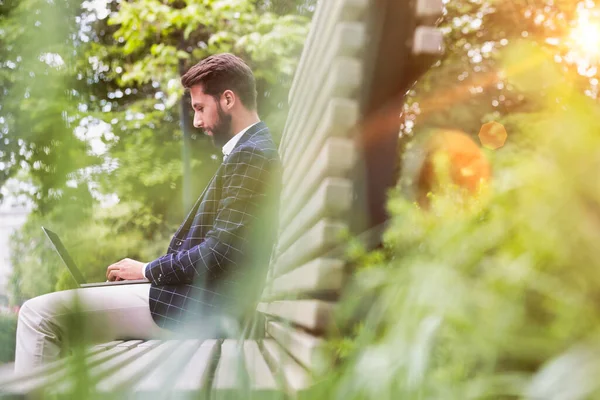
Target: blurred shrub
<point>475,298</point>
<point>8,329</point>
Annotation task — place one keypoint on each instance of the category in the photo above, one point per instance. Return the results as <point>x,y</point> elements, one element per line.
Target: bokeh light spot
<point>493,135</point>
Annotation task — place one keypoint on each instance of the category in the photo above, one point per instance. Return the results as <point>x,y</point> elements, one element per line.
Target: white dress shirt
<point>230,145</point>
<point>227,149</point>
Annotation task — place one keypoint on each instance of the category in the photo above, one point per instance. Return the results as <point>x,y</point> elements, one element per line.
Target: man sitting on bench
<point>206,272</point>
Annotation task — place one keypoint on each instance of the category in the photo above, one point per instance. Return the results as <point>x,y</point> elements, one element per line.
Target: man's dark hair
<point>222,72</point>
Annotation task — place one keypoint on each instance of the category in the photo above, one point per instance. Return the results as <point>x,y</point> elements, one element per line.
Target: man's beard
<point>221,132</point>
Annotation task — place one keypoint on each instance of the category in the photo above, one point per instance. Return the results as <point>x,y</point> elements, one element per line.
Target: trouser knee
<point>41,310</point>
<point>27,310</point>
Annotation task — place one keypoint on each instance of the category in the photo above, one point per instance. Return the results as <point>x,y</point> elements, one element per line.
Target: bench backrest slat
<point>327,156</point>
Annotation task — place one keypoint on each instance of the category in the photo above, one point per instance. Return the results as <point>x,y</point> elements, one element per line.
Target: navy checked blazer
<point>208,267</point>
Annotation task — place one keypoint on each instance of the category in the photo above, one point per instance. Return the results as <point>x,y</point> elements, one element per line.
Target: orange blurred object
<point>452,157</point>
<point>493,135</point>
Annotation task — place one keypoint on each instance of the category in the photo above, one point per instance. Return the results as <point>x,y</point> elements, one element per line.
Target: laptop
<point>75,273</point>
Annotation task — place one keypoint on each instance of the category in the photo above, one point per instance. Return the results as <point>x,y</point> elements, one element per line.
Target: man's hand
<point>126,269</point>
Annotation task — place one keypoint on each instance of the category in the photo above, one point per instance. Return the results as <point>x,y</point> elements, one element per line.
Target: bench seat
<point>192,368</point>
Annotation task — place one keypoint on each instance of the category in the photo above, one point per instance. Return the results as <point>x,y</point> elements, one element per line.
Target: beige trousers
<point>89,315</point>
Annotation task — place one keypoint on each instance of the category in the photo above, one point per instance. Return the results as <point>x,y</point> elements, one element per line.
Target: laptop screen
<point>64,255</point>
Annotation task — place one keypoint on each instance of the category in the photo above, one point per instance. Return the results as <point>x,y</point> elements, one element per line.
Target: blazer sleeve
<point>245,183</point>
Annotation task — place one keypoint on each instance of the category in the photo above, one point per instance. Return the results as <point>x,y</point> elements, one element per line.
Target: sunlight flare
<point>585,36</point>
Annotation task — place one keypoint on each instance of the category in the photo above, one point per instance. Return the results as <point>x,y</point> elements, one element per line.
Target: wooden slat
<point>293,376</point>
<point>343,82</point>
<point>53,366</point>
<point>338,119</point>
<point>106,355</point>
<point>160,378</point>
<point>132,353</point>
<point>316,241</point>
<point>318,15</point>
<point>347,43</point>
<point>328,15</point>
<point>332,199</point>
<point>242,371</point>
<point>321,275</point>
<point>230,375</point>
<point>130,344</point>
<point>314,315</point>
<point>101,370</point>
<point>429,9</point>
<point>348,40</point>
<point>38,378</point>
<point>194,377</point>
<point>150,343</point>
<point>107,345</point>
<point>306,349</point>
<point>262,382</point>
<point>132,372</point>
<point>336,159</point>
<point>354,9</point>
<point>53,373</point>
<point>428,41</point>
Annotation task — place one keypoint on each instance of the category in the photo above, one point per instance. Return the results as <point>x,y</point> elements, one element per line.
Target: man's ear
<point>228,99</point>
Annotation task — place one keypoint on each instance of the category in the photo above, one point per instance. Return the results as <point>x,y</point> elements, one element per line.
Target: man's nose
<point>198,123</point>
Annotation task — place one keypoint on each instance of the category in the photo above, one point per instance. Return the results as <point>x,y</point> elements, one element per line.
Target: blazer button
<point>178,243</point>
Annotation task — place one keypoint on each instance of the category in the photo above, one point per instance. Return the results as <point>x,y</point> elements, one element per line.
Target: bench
<point>340,81</point>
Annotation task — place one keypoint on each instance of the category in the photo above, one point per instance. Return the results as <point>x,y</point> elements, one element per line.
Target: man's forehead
<point>198,97</point>
<point>197,91</point>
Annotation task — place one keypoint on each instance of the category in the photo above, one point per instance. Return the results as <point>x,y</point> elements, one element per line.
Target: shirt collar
<point>230,145</point>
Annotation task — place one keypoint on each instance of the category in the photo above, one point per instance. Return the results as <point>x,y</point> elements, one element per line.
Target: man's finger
<point>113,275</point>
<point>110,268</point>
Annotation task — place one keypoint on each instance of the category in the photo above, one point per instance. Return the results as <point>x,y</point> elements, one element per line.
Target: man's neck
<point>243,121</point>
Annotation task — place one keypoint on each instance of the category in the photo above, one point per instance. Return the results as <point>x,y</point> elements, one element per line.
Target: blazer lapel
<point>256,129</point>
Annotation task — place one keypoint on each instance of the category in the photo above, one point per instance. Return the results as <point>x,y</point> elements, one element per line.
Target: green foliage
<point>95,239</point>
<point>8,328</point>
<point>468,86</point>
<point>36,64</point>
<point>160,41</point>
<point>99,136</point>
<point>475,298</point>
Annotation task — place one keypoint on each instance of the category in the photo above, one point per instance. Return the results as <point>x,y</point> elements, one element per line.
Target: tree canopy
<point>94,120</point>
